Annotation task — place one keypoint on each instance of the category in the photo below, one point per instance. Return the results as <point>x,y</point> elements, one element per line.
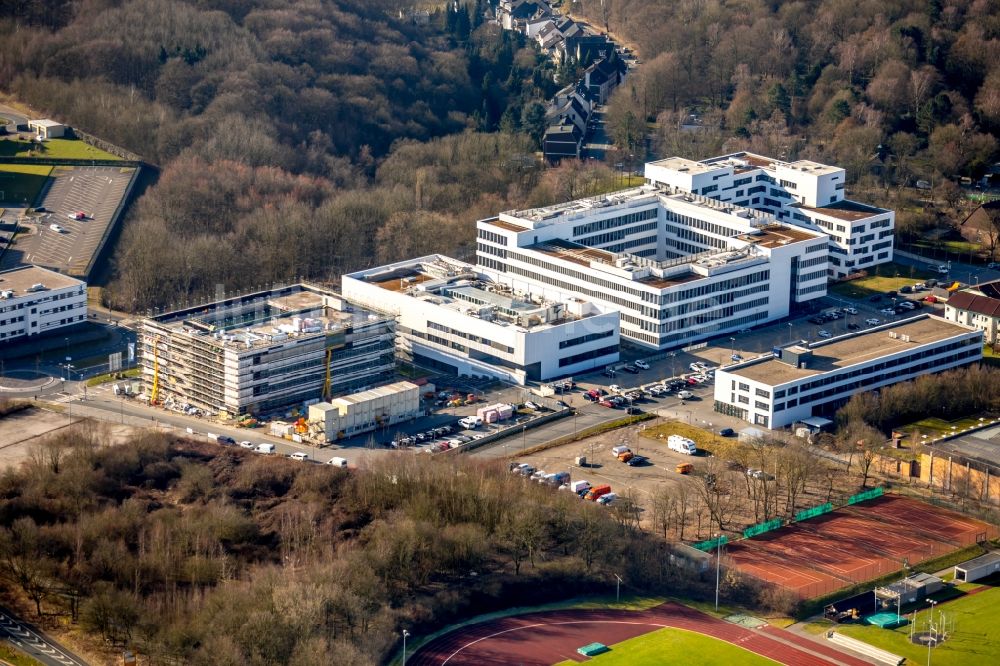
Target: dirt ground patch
<point>22,431</point>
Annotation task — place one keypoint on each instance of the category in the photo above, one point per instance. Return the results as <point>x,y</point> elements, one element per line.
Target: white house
<point>978,307</point>
<point>36,300</point>
<point>803,380</point>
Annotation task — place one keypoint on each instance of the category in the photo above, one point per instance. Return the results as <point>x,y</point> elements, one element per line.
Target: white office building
<point>452,317</point>
<point>804,380</point>
<point>35,300</point>
<point>803,193</point>
<point>676,267</point>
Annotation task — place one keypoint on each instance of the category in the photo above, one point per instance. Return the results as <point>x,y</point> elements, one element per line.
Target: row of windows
<point>483,248</point>
<point>628,245</point>
<point>493,237</point>
<point>815,261</point>
<point>709,189</point>
<point>607,296</point>
<point>881,378</point>
<point>434,326</point>
<point>614,222</point>
<point>586,356</point>
<point>808,277</point>
<point>710,227</point>
<point>724,285</point>
<point>789,185</point>
<point>714,316</point>
<point>612,236</point>
<point>705,240</point>
<point>781,194</point>
<point>885,234</point>
<point>878,246</point>
<point>584,339</point>
<point>763,178</point>
<point>713,301</point>
<point>811,290</point>
<point>756,189</point>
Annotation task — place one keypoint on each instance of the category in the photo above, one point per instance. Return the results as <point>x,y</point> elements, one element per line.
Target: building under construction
<point>265,352</point>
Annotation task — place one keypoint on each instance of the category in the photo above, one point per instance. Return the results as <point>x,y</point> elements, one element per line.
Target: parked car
<point>631,369</point>
<point>607,498</point>
<point>642,365</point>
<point>337,461</point>
<point>300,456</point>
<point>637,461</point>
<point>825,334</point>
<point>850,311</point>
<point>735,357</point>
<point>888,311</point>
<point>875,298</point>
<point>943,270</point>
<point>993,265</point>
<point>78,215</point>
<point>852,327</point>
<point>633,410</point>
<point>931,283</point>
<point>891,293</point>
<point>906,289</point>
<point>226,440</point>
<point>532,406</point>
<point>614,388</point>
<point>727,432</point>
<point>684,468</point>
<point>873,321</point>
<point>930,299</point>
<point>606,403</point>
<point>56,228</point>
<point>908,305</point>
<point>247,445</point>
<point>685,395</point>
<point>759,474</point>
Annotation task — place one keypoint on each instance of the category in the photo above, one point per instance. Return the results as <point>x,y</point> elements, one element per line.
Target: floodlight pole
<point>618,589</point>
<point>718,556</point>
<point>405,634</point>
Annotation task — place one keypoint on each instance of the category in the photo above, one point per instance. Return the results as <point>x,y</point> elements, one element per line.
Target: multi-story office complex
<point>263,352</point>
<point>804,380</point>
<point>803,193</point>
<point>676,267</point>
<point>452,317</point>
<point>36,300</point>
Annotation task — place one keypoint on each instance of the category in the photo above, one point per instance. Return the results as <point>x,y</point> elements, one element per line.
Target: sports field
<point>674,646</point>
<point>855,544</point>
<point>552,637</point>
<point>974,640</point>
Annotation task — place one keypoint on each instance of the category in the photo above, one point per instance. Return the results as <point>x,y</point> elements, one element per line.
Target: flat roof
<point>371,394</point>
<point>570,251</point>
<point>502,224</point>
<point>684,165</point>
<point>20,279</point>
<point>847,210</point>
<point>988,558</point>
<point>982,445</point>
<point>777,235</point>
<point>45,122</point>
<point>852,349</point>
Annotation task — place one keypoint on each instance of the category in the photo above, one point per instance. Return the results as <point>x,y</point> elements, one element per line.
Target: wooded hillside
<point>903,89</point>
<point>195,554</point>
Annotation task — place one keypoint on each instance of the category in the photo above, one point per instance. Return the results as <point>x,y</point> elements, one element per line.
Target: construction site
<point>265,353</point>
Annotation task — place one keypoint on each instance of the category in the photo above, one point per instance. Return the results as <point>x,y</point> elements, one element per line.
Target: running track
<point>542,639</point>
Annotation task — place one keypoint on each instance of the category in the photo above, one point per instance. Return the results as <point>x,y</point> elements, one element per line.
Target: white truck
<point>682,445</point>
<point>579,486</point>
<point>618,450</point>
<point>470,422</point>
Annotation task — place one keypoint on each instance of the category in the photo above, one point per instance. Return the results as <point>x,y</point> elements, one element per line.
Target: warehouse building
<point>263,352</point>
<point>454,318</point>
<point>366,411</point>
<point>803,193</point>
<point>35,300</point>
<point>809,379</point>
<point>676,267</point>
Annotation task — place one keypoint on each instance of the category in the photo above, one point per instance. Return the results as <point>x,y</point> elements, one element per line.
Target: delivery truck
<point>579,486</point>
<point>597,491</point>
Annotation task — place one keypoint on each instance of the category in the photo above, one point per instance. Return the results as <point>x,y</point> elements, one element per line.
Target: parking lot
<point>93,191</point>
<point>641,482</point>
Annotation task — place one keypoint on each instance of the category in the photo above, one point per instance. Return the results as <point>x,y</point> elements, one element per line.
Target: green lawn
<point>990,357</point>
<point>705,439</point>
<point>674,646</point>
<point>54,148</point>
<point>21,183</point>
<point>880,280</point>
<point>16,657</point>
<point>975,640</point>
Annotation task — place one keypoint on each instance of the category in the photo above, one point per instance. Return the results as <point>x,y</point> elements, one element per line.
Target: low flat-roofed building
<point>452,317</point>
<point>367,411</point>
<point>47,129</point>
<point>809,379</point>
<point>264,352</point>
<point>980,567</point>
<point>35,300</point>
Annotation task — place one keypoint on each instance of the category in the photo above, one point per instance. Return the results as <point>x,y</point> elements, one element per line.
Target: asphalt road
<point>34,642</point>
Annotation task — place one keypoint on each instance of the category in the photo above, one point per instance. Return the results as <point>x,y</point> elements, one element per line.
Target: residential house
<point>978,307</point>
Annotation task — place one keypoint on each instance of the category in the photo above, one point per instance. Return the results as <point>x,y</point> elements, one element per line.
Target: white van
<point>470,422</point>
<point>682,445</point>
<point>618,450</point>
<point>337,461</point>
<point>265,449</point>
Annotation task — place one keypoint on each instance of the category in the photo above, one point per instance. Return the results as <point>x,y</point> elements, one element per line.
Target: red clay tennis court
<point>542,639</point>
<point>854,544</point>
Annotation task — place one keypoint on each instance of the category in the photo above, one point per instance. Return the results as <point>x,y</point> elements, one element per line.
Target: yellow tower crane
<point>156,376</point>
<point>326,380</point>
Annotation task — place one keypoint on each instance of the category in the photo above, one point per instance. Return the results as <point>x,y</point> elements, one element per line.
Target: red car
<point>606,403</point>
<point>692,381</point>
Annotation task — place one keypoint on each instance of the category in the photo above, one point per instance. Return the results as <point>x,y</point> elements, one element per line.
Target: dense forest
<point>902,89</point>
<point>194,554</point>
<point>292,136</point>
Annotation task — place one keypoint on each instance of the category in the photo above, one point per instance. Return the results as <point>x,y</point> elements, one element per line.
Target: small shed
<point>816,424</point>
<point>47,129</point>
<point>981,567</point>
<point>909,590</point>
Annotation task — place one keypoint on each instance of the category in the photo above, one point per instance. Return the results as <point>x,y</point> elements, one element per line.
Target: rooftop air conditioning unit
<point>893,335</point>
<point>904,338</point>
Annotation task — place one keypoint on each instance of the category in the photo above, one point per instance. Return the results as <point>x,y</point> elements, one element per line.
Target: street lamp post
<point>405,636</point>
<point>618,588</point>
<point>523,429</point>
